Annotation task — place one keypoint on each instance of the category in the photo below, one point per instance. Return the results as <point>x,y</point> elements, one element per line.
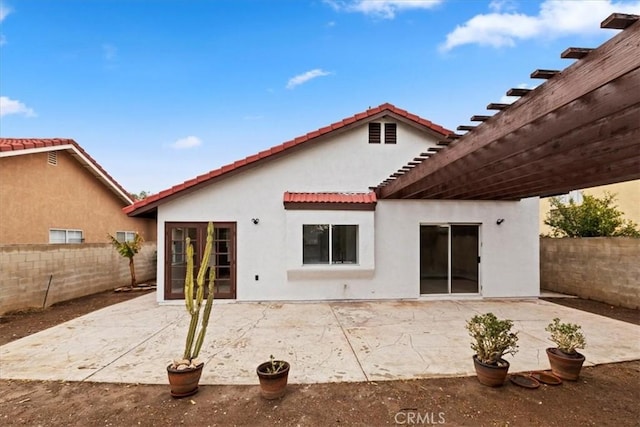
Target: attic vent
<point>374,133</point>
<point>390,133</point>
<point>52,158</point>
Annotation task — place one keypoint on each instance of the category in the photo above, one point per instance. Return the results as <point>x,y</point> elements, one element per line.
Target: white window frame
<point>330,245</point>
<point>129,236</point>
<point>68,238</point>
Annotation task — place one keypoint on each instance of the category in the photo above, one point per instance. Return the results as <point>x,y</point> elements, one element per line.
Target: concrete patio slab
<point>132,342</point>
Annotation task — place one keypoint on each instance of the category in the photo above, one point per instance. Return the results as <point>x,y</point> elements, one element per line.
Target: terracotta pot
<point>563,365</point>
<point>184,382</point>
<point>272,386</point>
<point>491,375</point>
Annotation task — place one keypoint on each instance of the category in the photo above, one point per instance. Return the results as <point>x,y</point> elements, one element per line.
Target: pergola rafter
<point>580,128</point>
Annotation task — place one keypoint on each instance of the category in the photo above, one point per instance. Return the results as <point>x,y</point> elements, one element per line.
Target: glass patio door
<point>449,259</point>
<point>222,257</point>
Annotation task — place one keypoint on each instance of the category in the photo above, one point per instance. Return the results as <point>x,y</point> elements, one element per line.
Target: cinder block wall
<point>605,269</point>
<point>73,271</point>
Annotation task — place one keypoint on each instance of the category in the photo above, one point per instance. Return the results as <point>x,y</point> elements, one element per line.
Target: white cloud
<point>187,142</point>
<point>4,11</point>
<point>385,9</point>
<point>500,5</point>
<point>555,19</point>
<point>12,106</point>
<point>305,77</point>
<point>109,51</point>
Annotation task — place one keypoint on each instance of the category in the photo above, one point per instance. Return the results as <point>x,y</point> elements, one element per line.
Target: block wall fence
<point>605,269</point>
<point>598,268</point>
<point>70,271</point>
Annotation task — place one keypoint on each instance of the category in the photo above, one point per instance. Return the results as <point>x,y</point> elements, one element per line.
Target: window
<point>390,133</point>
<point>125,236</point>
<point>329,244</point>
<point>374,133</point>
<point>61,236</point>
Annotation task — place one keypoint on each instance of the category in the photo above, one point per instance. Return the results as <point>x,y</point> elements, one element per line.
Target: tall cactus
<point>192,349</point>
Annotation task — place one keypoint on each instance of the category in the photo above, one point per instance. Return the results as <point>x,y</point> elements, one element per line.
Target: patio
<point>132,342</point>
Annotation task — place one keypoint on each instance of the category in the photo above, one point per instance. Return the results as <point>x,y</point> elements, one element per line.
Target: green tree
<point>128,249</point>
<point>141,195</point>
<point>594,217</point>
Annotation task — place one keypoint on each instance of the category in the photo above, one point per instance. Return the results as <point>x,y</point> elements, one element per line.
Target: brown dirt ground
<point>605,395</point>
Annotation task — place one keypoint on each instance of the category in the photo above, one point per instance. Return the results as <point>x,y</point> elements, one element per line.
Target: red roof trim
<point>149,203</point>
<point>330,197</point>
<point>330,201</point>
<point>20,144</point>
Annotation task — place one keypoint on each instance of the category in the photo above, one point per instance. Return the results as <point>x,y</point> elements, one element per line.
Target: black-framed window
<point>329,244</point>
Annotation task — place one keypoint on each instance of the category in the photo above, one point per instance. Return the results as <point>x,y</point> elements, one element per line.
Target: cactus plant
<point>194,305</point>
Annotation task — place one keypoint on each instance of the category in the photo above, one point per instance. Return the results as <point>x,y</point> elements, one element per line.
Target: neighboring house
<point>300,221</point>
<point>627,200</point>
<point>52,191</point>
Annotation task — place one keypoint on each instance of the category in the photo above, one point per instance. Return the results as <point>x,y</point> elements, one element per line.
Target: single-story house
<point>301,221</point>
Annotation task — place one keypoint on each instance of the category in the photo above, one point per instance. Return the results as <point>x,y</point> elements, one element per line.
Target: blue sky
<point>161,91</point>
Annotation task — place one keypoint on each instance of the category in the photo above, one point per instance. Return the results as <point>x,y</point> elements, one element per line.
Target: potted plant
<point>492,339</point>
<point>184,374</point>
<point>565,361</point>
<point>273,376</point>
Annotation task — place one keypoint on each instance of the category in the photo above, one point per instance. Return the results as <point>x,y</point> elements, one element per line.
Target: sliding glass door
<point>449,259</point>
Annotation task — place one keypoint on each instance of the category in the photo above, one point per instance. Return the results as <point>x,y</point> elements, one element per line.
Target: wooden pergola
<point>579,129</point>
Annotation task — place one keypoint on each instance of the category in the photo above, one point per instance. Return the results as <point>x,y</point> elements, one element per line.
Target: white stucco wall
<point>388,238</point>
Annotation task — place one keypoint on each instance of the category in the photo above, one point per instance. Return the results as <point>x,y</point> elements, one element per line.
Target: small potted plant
<point>492,339</point>
<point>273,376</point>
<point>184,374</point>
<point>565,361</point>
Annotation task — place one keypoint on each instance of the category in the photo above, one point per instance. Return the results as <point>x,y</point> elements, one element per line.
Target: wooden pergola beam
<point>572,161</point>
<point>517,91</point>
<point>497,106</point>
<point>544,74</point>
<point>614,59</point>
<point>576,52</point>
<point>569,127</point>
<point>619,21</point>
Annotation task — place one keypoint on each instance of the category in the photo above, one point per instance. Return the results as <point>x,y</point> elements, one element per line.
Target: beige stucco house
<point>52,191</point>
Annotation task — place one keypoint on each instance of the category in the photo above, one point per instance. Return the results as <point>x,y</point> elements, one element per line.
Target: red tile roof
<point>151,202</point>
<point>330,201</point>
<point>362,198</point>
<point>20,146</point>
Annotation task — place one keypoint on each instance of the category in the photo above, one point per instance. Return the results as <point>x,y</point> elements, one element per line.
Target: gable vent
<point>52,158</point>
<point>374,133</point>
<point>390,133</point>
